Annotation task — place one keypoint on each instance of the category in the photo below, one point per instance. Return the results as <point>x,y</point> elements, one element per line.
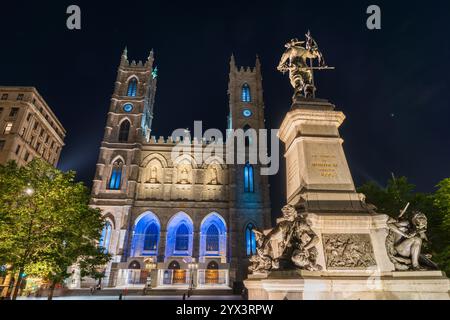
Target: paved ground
<point>98,297</point>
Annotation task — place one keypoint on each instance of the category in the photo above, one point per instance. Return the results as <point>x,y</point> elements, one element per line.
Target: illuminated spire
<point>150,56</point>
<point>124,58</point>
<point>232,62</point>
<point>257,64</point>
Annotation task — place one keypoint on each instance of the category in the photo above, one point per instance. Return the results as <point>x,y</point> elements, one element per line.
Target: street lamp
<point>29,191</point>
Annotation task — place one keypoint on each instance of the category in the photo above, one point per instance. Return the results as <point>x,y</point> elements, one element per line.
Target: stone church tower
<point>177,222</point>
<point>249,203</point>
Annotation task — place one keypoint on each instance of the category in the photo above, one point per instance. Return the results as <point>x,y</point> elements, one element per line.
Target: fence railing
<point>165,277</point>
<point>174,277</point>
<point>211,277</point>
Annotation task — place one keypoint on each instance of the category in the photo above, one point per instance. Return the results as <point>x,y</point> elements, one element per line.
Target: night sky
<point>392,84</point>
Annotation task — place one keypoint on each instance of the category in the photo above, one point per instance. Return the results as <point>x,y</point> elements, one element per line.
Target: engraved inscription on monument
<point>325,164</point>
<point>348,251</point>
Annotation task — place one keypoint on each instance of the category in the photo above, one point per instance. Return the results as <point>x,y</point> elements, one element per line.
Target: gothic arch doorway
<point>174,265</point>
<point>178,275</point>
<point>134,265</point>
<point>212,273</point>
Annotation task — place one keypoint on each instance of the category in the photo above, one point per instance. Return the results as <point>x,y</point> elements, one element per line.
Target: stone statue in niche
<point>290,245</point>
<point>184,175</point>
<point>153,175</point>
<point>214,174</point>
<point>404,242</point>
<point>348,251</point>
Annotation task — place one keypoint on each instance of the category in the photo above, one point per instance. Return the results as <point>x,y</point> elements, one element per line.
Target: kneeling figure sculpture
<point>290,245</point>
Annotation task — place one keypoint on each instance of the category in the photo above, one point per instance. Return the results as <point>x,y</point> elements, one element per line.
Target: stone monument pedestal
<point>349,285</point>
<point>350,238</point>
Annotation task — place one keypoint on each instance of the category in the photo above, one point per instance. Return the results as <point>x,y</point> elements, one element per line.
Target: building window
<point>8,127</point>
<point>29,116</point>
<point>124,131</point>
<point>27,155</point>
<point>248,178</point>
<point>182,238</point>
<point>106,236</point>
<point>14,112</point>
<point>247,135</point>
<point>20,97</point>
<point>132,87</point>
<point>35,125</point>
<point>38,146</point>
<point>151,237</point>
<point>5,96</point>
<point>1,111</point>
<point>2,144</point>
<point>212,239</point>
<point>116,175</point>
<point>17,149</point>
<point>250,240</point>
<point>245,95</point>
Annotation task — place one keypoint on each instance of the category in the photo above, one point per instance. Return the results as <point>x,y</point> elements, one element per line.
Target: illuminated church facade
<point>174,223</point>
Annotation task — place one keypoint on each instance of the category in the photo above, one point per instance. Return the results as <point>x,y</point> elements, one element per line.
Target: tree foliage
<point>46,224</point>
<point>399,192</point>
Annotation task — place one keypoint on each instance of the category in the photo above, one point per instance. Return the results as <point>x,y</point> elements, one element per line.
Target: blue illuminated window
<point>132,87</point>
<point>247,135</point>
<point>245,95</point>
<point>124,131</point>
<point>248,178</point>
<point>116,176</point>
<point>250,240</point>
<point>106,236</point>
<point>182,238</point>
<point>212,239</point>
<point>151,237</point>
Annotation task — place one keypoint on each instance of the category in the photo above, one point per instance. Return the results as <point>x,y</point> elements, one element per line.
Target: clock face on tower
<point>247,113</point>
<point>128,107</point>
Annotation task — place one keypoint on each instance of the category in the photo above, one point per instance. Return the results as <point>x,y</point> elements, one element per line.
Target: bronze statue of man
<point>295,61</point>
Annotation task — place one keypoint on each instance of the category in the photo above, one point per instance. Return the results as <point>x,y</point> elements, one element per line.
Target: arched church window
<point>151,237</point>
<point>212,239</point>
<point>182,238</point>
<point>247,135</point>
<point>132,87</point>
<point>248,178</point>
<point>124,131</point>
<point>116,175</point>
<point>245,94</point>
<point>250,240</point>
<point>106,236</point>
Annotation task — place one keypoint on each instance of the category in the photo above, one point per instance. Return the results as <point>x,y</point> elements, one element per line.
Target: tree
<point>398,193</point>
<point>442,217</point>
<point>46,224</point>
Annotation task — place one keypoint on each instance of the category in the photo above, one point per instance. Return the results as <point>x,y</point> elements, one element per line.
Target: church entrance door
<point>179,275</point>
<point>212,273</point>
